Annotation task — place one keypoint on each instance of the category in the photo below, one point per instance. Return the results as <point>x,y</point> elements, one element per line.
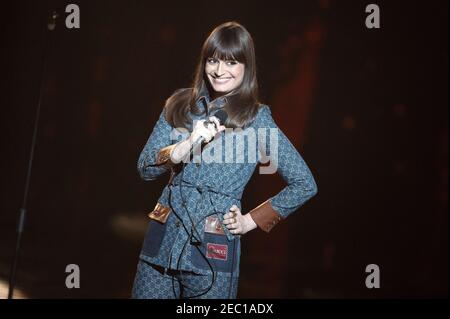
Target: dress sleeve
<point>288,162</point>
<point>154,159</point>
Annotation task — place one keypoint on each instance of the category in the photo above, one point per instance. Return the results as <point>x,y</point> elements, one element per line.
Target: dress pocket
<point>153,238</point>
<point>221,254</point>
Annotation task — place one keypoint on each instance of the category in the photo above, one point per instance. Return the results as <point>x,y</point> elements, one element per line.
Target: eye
<point>211,60</point>
<point>232,62</point>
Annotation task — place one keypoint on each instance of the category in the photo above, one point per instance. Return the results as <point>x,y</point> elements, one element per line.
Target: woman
<point>192,246</point>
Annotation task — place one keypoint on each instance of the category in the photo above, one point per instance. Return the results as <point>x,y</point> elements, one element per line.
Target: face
<point>224,76</point>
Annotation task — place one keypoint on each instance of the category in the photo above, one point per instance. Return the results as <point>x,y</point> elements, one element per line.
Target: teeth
<point>221,80</point>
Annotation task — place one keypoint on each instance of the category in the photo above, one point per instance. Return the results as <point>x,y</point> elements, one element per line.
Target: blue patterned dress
<point>181,248</point>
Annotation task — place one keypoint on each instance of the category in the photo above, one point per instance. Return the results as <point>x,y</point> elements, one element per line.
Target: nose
<point>219,70</point>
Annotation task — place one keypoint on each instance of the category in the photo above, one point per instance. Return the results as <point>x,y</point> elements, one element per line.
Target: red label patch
<point>216,251</point>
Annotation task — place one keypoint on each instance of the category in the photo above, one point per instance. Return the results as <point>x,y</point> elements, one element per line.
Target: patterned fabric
<point>211,188</point>
<point>150,283</point>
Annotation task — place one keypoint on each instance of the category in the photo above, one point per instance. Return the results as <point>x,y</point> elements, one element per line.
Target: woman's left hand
<point>237,223</point>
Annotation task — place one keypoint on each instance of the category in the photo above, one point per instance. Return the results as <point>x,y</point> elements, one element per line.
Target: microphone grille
<point>222,116</point>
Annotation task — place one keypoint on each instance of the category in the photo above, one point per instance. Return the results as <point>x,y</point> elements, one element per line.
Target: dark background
<point>366,108</point>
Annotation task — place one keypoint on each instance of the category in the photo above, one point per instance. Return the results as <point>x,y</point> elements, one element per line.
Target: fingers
<point>215,120</point>
<point>218,127</point>
<point>233,208</point>
<point>233,213</point>
<point>229,220</point>
<point>236,231</point>
<point>232,220</point>
<point>228,216</point>
<point>201,130</point>
<point>233,225</point>
<point>209,131</point>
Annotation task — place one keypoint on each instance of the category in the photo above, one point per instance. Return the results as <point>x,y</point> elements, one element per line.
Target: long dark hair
<point>228,41</point>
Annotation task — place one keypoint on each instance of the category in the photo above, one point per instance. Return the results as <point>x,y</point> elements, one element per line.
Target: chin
<point>221,90</point>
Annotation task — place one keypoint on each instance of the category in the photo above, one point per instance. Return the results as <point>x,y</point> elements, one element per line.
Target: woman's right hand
<point>207,132</point>
<point>182,149</point>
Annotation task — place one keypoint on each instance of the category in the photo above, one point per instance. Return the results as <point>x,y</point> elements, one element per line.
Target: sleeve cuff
<point>265,216</point>
<point>163,157</point>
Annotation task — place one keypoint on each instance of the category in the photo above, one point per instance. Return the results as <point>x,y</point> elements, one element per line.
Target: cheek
<point>240,75</point>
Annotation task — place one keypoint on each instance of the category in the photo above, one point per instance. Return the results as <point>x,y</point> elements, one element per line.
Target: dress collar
<point>205,101</point>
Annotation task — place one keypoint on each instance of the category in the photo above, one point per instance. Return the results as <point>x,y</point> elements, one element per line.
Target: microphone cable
<point>196,244</point>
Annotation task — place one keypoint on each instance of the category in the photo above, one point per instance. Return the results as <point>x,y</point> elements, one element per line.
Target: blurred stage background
<point>366,108</point>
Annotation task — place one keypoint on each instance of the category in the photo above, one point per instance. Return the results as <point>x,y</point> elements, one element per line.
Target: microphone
<point>221,116</point>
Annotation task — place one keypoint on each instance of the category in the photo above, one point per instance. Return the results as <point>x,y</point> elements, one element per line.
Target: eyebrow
<point>226,60</point>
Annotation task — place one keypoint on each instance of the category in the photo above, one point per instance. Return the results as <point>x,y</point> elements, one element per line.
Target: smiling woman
<point>226,70</point>
<point>192,246</point>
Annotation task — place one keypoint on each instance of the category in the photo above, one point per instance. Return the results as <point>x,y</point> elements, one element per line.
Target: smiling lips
<point>221,80</point>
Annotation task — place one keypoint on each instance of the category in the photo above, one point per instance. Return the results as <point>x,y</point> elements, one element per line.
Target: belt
<point>206,191</point>
<point>171,272</point>
<point>160,213</point>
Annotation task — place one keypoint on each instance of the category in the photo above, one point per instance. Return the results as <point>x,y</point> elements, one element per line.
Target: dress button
<point>177,223</point>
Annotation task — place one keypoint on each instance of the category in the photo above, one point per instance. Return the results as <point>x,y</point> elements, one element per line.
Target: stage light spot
<point>4,288</point>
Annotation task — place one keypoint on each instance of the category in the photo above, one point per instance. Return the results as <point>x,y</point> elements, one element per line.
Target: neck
<point>216,95</point>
